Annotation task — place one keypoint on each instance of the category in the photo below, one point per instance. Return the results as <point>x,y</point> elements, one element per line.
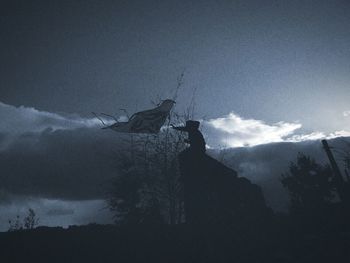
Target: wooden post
<point>347,175</point>
<point>338,178</point>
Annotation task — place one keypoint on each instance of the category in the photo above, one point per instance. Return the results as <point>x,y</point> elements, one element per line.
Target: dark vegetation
<point>30,221</point>
<point>316,228</point>
<point>191,208</point>
<point>147,187</point>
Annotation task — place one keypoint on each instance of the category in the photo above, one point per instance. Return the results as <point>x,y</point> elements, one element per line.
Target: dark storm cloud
<point>69,157</point>
<point>76,164</point>
<point>60,212</point>
<point>50,155</point>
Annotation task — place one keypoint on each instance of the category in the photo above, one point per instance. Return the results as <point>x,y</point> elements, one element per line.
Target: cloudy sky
<point>261,72</point>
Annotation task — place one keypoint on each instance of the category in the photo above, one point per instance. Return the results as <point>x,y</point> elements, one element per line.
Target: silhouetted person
<point>213,193</point>
<point>195,137</point>
<point>191,164</point>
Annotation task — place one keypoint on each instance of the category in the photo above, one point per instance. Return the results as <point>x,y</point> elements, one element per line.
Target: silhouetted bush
<point>309,184</point>
<point>30,221</point>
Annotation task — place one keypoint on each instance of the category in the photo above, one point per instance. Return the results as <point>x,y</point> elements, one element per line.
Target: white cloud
<point>318,136</point>
<point>341,133</point>
<point>235,131</point>
<point>346,113</point>
<point>306,137</point>
<point>18,120</point>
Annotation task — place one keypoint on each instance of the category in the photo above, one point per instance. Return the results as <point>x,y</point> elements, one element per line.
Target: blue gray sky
<point>267,60</point>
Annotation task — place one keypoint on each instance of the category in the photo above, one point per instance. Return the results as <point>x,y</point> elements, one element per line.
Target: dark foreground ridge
<point>226,220</point>
<point>179,243</point>
<point>214,194</point>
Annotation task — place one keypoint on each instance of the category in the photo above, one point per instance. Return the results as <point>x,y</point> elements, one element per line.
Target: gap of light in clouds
<point>228,131</point>
<point>235,131</point>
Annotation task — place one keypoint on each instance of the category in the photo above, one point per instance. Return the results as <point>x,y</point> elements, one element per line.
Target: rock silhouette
<point>213,193</point>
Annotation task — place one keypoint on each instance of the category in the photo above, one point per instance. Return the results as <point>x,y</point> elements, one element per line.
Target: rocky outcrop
<point>214,194</point>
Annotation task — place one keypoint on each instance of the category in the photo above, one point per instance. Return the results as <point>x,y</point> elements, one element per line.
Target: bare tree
<point>15,225</point>
<point>30,221</point>
<point>148,186</point>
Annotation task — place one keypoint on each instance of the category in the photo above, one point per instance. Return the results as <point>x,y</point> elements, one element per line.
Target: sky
<point>267,60</point>
<point>260,73</point>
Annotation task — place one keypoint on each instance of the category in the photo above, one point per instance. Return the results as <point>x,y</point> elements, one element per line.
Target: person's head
<point>192,125</point>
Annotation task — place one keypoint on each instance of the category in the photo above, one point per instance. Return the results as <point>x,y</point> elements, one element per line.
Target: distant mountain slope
<point>264,164</point>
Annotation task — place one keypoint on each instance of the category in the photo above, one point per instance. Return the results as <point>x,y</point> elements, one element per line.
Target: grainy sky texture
<point>268,60</point>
